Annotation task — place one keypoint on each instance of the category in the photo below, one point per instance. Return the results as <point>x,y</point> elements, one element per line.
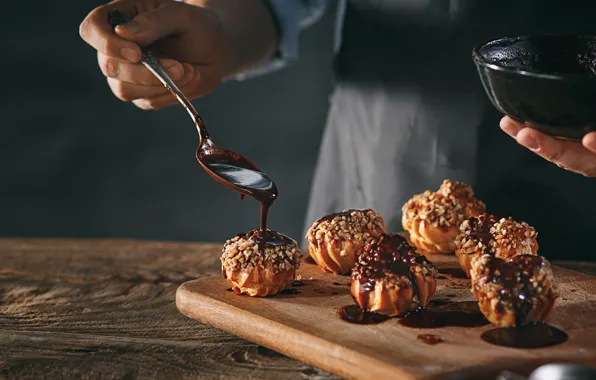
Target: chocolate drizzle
<point>267,237</point>
<point>479,230</point>
<point>430,339</point>
<point>242,174</point>
<point>390,254</point>
<point>264,213</point>
<point>354,314</point>
<point>514,280</point>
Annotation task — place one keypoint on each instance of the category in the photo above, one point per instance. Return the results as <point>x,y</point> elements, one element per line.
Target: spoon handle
<point>152,63</point>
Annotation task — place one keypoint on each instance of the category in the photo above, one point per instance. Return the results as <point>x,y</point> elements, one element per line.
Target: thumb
<point>589,141</point>
<point>152,25</point>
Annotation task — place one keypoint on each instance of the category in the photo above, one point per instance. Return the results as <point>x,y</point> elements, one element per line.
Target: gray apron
<point>408,110</point>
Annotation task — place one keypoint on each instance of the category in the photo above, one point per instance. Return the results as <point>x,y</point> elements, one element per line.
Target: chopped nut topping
<point>391,259</point>
<point>361,225</point>
<point>245,252</point>
<point>449,206</point>
<point>489,234</point>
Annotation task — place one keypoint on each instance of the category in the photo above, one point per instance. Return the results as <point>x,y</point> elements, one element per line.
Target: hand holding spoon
<point>226,167</point>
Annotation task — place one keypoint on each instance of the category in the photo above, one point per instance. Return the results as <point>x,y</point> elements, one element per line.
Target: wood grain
<point>105,309</point>
<point>305,326</point>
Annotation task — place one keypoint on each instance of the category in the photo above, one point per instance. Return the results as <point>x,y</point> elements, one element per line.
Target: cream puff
<point>390,278</point>
<point>336,240</point>
<point>432,219</point>
<point>260,263</point>
<point>515,292</point>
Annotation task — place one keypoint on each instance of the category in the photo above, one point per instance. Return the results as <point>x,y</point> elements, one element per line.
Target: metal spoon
<point>228,168</point>
<point>554,371</point>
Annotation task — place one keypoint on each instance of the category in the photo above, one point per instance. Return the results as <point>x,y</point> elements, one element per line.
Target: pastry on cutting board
<point>336,240</point>
<point>260,267</point>
<point>489,234</point>
<point>514,292</point>
<point>432,219</point>
<point>390,278</point>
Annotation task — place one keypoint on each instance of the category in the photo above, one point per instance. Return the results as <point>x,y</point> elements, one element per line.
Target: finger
<point>129,91</point>
<point>569,155</point>
<point>510,126</point>
<point>137,73</point>
<point>97,32</point>
<point>169,19</point>
<point>589,141</point>
<point>191,90</point>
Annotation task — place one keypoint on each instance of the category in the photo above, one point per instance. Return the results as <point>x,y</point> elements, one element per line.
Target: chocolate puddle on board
<point>535,335</point>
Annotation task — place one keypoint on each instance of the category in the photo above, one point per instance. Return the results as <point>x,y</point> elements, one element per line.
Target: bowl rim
<point>480,60</point>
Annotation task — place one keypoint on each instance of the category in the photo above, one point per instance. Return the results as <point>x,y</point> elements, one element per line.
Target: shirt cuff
<point>291,16</point>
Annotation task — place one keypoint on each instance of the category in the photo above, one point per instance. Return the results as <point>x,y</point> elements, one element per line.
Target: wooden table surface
<point>106,309</point>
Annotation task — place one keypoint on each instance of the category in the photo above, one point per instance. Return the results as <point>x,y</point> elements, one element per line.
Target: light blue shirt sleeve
<point>292,16</point>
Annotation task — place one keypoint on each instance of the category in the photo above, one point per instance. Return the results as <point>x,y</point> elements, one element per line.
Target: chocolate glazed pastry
<point>391,279</point>
<point>516,292</point>
<point>490,234</point>
<point>336,240</point>
<point>260,263</point>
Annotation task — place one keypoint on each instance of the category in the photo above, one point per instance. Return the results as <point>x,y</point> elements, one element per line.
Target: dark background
<point>77,162</point>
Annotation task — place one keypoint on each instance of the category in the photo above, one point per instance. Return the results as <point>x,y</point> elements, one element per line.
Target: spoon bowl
<point>236,172</point>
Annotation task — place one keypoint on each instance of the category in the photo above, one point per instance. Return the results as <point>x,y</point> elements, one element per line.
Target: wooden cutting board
<point>306,327</point>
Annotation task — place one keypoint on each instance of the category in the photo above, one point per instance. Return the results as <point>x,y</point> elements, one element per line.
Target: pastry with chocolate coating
<point>260,267</point>
<point>515,292</point>
<point>433,218</point>
<point>493,235</point>
<point>390,278</point>
<point>336,240</point>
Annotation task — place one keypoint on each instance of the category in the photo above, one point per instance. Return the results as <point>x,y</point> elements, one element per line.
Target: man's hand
<point>579,157</point>
<point>199,44</point>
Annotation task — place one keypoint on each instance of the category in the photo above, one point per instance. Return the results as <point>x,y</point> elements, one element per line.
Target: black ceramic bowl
<point>545,81</point>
